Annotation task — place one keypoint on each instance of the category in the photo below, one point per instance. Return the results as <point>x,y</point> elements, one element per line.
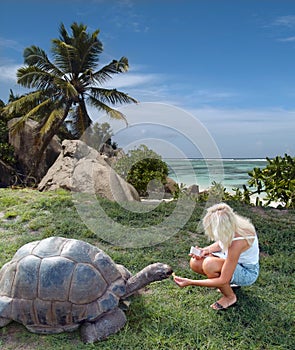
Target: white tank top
<point>249,256</point>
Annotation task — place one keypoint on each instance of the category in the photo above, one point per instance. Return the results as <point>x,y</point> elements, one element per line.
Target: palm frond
<point>88,46</point>
<point>39,109</point>
<point>12,96</point>
<point>112,96</point>
<point>89,53</point>
<point>35,56</point>
<point>115,67</point>
<point>67,89</point>
<point>54,115</point>
<point>86,78</point>
<point>64,36</point>
<point>111,112</point>
<point>78,30</point>
<point>42,108</point>
<point>34,77</point>
<point>64,54</point>
<point>79,52</point>
<point>17,126</point>
<point>24,103</point>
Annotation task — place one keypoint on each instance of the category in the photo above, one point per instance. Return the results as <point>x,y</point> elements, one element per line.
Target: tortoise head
<point>159,271</point>
<point>151,273</point>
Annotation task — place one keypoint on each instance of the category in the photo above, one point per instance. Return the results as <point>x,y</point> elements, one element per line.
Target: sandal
<point>235,286</point>
<point>218,307</point>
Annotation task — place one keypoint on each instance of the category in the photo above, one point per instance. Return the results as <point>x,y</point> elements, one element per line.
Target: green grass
<point>164,316</point>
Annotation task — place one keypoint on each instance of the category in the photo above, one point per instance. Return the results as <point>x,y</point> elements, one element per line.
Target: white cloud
<point>8,73</point>
<point>235,132</point>
<point>267,120</point>
<point>131,80</point>
<point>250,132</point>
<point>209,95</point>
<point>155,87</point>
<point>8,80</point>
<point>289,39</point>
<point>125,16</point>
<point>285,21</point>
<point>284,27</point>
<point>10,44</point>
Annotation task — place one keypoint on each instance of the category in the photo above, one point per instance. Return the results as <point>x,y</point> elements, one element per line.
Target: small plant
<point>9,215</point>
<point>215,191</point>
<point>243,195</point>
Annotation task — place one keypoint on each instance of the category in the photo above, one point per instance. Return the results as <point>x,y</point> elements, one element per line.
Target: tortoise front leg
<point>109,323</point>
<point>4,321</point>
<point>5,311</point>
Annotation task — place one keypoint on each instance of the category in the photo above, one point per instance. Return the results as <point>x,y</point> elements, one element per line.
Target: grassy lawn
<point>163,316</point>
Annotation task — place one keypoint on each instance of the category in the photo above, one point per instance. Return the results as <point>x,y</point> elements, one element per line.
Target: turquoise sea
<point>232,173</point>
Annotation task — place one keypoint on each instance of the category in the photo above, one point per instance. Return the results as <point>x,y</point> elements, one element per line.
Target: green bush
<point>98,134</point>
<point>277,180</point>
<point>6,150</point>
<point>144,169</point>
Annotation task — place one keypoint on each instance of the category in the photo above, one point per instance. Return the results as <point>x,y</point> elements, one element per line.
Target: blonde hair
<point>221,223</point>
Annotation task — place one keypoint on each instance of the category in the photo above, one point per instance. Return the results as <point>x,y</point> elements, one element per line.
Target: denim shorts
<point>245,274</point>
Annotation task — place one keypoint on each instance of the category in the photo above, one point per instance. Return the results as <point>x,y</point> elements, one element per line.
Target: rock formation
<point>23,142</point>
<point>80,168</point>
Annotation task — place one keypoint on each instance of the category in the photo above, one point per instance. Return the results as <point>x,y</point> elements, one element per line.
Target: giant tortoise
<point>58,284</point>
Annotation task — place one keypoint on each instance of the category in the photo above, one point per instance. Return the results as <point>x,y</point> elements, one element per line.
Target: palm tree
<point>65,86</point>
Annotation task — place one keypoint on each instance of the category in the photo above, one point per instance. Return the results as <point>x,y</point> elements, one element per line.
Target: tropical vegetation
<point>163,316</point>
<point>275,183</point>
<point>277,180</point>
<point>100,134</point>
<point>6,149</point>
<point>144,169</point>
<point>64,87</point>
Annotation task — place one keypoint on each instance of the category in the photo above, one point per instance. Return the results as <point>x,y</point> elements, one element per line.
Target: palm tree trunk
<point>42,141</point>
<point>86,120</point>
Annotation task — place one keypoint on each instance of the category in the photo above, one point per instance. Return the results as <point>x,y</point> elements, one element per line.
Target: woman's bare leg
<point>228,299</point>
<point>197,265</point>
<point>212,268</point>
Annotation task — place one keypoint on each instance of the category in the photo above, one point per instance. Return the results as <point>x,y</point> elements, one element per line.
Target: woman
<point>233,259</point>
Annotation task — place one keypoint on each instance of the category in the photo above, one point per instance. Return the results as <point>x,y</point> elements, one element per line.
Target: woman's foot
<point>224,303</point>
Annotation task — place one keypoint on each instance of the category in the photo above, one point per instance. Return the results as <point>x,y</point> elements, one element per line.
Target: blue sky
<point>224,67</point>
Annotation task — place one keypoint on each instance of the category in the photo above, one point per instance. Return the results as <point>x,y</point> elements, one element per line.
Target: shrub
<point>143,168</point>
<point>277,180</point>
<point>6,150</point>
<point>98,134</point>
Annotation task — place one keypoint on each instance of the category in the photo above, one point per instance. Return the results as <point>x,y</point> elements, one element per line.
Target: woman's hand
<point>204,252</point>
<point>181,282</point>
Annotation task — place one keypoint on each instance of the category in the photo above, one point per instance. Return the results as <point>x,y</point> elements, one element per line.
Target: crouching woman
<point>233,258</point>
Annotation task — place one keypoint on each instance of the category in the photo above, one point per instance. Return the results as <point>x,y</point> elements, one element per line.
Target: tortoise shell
<point>55,284</point>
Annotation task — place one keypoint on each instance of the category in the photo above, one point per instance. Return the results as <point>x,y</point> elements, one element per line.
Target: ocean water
<point>231,173</point>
